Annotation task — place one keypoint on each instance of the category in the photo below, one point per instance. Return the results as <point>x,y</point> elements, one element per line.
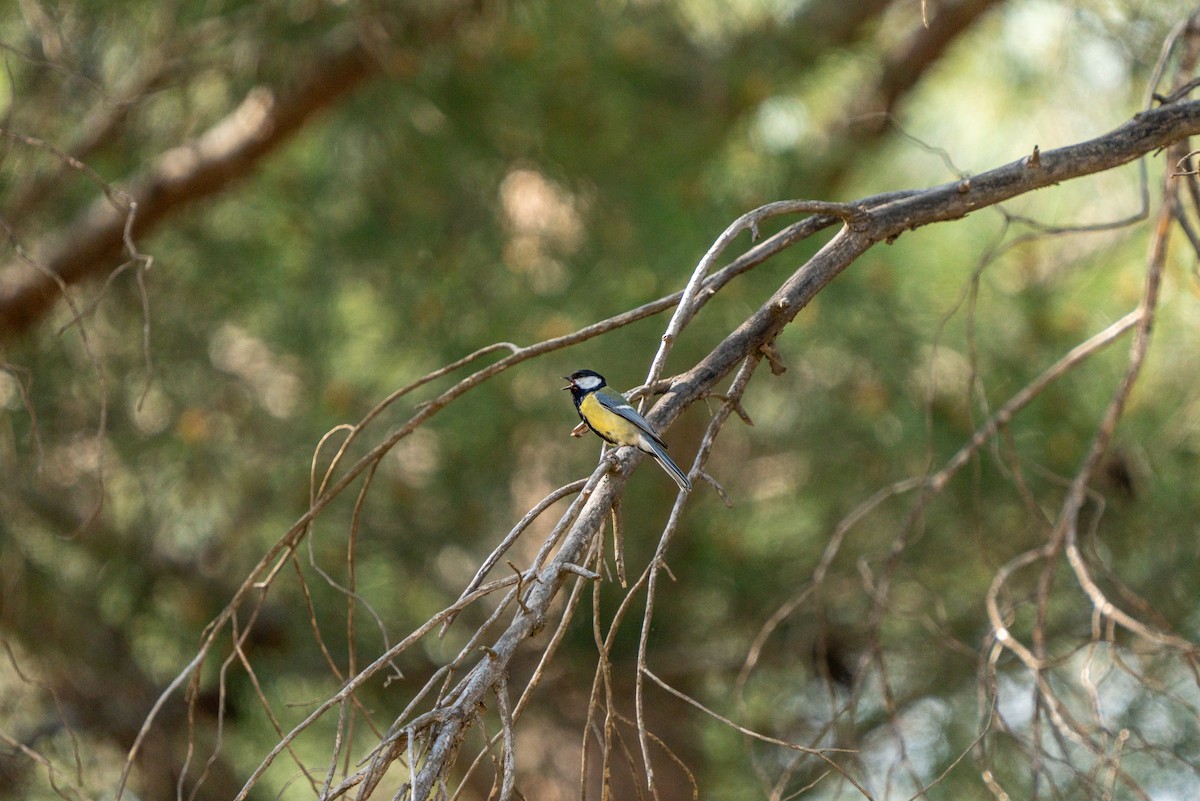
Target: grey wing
<point>617,403</point>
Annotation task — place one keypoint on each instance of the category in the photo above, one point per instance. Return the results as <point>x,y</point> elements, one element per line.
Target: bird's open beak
<point>568,378</point>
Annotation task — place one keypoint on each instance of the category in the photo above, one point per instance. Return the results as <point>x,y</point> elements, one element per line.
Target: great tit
<point>610,416</point>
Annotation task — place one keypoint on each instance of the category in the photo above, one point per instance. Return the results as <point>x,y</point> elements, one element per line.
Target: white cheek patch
<point>588,383</point>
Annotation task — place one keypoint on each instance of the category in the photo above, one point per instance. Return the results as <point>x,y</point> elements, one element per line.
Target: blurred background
<point>459,174</point>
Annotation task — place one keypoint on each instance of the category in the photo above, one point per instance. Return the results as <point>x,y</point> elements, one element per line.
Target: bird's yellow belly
<point>609,425</point>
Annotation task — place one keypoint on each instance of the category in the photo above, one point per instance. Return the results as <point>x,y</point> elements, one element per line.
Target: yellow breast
<point>612,427</point>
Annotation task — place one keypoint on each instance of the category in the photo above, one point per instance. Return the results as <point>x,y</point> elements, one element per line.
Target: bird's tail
<point>667,464</point>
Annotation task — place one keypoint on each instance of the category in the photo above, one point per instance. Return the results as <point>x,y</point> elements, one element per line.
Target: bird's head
<point>584,381</point>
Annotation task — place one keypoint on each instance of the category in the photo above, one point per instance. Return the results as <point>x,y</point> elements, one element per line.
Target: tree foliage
<point>288,503</point>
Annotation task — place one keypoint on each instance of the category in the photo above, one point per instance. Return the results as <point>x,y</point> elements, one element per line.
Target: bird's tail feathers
<point>667,464</point>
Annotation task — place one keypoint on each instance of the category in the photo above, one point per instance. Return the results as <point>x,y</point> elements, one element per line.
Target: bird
<point>609,415</point>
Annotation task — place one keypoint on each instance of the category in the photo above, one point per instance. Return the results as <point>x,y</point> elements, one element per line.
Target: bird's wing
<point>617,404</point>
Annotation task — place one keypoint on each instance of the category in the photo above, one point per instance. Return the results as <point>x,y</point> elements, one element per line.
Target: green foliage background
<point>389,238</point>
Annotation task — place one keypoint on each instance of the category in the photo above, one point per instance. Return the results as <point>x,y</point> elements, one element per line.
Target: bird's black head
<point>584,381</point>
